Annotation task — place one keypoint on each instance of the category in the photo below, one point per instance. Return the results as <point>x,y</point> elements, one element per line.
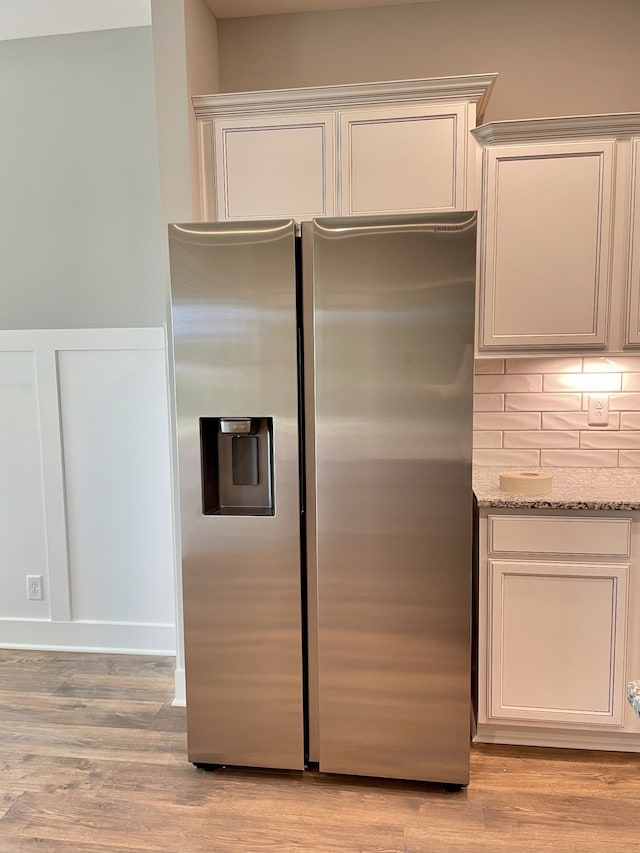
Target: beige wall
<point>172,113</point>
<point>185,63</point>
<point>201,39</point>
<point>554,57</point>
<point>185,40</point>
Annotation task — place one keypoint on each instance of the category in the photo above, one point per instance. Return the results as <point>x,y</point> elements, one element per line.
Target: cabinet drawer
<point>596,537</point>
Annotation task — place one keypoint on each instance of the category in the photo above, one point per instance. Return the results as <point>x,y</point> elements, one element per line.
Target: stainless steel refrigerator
<point>324,422</point>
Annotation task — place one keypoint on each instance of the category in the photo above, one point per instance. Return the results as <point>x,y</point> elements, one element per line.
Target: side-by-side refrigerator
<point>324,423</point>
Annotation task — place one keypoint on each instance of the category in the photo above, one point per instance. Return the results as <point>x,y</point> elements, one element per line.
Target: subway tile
<point>502,384</point>
<point>577,420</point>
<point>579,458</point>
<point>489,365</point>
<point>591,383</point>
<point>507,420</point>
<point>619,439</point>
<point>543,402</point>
<point>487,438</point>
<point>540,438</point>
<point>629,459</point>
<point>612,364</point>
<point>631,381</point>
<point>524,458</point>
<point>623,402</point>
<point>629,420</point>
<point>488,402</point>
<point>544,365</point>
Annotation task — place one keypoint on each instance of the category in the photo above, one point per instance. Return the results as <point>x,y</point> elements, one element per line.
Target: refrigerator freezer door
<point>235,341</point>
<point>394,318</point>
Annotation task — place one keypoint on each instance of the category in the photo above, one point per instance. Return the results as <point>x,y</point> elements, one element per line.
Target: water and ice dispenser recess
<point>237,466</point>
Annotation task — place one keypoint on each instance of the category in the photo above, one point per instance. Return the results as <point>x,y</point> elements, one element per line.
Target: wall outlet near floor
<point>598,409</point>
<point>34,588</point>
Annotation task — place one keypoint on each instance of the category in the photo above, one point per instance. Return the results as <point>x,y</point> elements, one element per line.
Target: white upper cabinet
<point>361,149</point>
<point>554,233</point>
<point>546,261</point>
<point>632,337</point>
<point>267,166</point>
<point>401,159</point>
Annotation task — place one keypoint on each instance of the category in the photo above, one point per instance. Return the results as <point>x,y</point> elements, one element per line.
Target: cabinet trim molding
<point>632,265</point>
<point>20,340</point>
<point>540,734</point>
<point>614,125</point>
<point>206,154</point>
<point>472,88</point>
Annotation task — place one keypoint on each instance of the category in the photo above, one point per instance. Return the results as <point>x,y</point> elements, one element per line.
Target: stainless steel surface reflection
<point>235,340</point>
<point>386,326</point>
<point>394,316</point>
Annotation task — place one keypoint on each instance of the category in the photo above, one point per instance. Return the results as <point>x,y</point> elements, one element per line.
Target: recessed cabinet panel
<point>275,167</point>
<point>545,265</point>
<point>633,292</point>
<point>557,635</point>
<point>403,159</point>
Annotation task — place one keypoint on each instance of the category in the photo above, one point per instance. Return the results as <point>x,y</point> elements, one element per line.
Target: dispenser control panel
<point>235,426</point>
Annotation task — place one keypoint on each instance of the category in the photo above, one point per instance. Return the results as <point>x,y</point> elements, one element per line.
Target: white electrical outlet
<point>34,587</point>
<point>598,409</point>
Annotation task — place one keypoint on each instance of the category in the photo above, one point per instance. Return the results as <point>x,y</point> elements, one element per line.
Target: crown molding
<point>474,88</point>
<point>614,125</point>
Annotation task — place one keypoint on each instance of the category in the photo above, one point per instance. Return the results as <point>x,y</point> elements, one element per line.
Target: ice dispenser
<point>237,466</point>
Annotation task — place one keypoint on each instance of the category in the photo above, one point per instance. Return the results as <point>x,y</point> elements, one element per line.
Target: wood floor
<point>93,758</point>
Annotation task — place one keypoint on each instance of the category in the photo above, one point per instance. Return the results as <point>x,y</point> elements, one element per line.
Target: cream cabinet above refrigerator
<point>360,149</point>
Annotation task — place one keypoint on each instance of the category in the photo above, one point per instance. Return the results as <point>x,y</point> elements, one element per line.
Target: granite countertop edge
<point>573,488</point>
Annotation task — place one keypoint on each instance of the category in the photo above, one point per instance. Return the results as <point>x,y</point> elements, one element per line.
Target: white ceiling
<point>250,8</point>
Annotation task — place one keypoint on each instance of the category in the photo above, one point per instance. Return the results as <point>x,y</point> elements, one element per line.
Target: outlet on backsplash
<point>598,409</point>
<point>535,412</point>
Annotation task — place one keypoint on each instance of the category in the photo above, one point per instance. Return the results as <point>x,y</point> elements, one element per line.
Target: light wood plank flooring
<point>93,758</point>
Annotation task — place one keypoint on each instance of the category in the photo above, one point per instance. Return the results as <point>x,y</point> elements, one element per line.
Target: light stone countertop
<point>573,488</point>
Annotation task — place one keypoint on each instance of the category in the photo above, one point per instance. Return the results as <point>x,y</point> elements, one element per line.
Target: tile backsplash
<point>533,412</point>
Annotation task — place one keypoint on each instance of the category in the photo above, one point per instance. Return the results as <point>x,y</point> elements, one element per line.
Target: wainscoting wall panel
<point>85,497</point>
<point>22,520</point>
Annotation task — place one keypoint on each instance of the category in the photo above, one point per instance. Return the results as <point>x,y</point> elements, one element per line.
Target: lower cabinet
<point>557,642</point>
<point>556,639</point>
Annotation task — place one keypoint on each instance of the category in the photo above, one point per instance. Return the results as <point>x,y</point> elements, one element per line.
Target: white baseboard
<point>562,738</point>
<point>113,637</point>
<point>180,699</point>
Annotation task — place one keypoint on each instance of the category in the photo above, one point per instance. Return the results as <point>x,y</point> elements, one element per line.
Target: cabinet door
<point>545,257</point>
<point>632,337</point>
<point>280,166</point>
<point>403,159</point>
<point>557,636</point>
